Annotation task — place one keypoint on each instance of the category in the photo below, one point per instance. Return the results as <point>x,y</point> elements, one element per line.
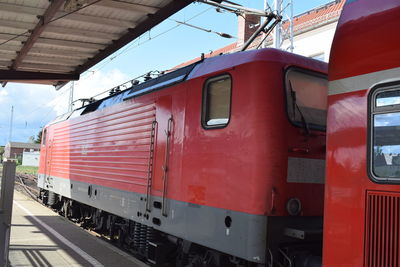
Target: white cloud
<point>37,105</point>
<point>30,110</point>
<point>90,85</point>
<point>3,93</point>
<point>3,96</point>
<point>98,82</point>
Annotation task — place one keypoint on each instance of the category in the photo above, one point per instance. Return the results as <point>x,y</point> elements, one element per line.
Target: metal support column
<point>6,203</point>
<point>278,30</point>
<point>71,97</point>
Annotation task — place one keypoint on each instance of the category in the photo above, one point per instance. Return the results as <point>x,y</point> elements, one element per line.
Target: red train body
<point>361,223</point>
<point>230,157</point>
<point>218,153</point>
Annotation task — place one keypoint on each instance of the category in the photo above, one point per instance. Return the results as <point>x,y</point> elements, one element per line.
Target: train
<point>255,158</point>
<point>362,185</point>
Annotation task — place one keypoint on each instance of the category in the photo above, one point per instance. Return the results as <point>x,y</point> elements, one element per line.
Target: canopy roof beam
<point>13,75</point>
<point>35,34</point>
<point>48,39</point>
<point>22,26</point>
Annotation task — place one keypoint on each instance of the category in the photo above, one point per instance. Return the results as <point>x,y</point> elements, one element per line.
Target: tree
<point>31,139</point>
<point>38,139</point>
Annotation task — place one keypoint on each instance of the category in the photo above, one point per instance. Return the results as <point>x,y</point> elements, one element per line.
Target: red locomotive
<point>362,202</point>
<point>220,162</point>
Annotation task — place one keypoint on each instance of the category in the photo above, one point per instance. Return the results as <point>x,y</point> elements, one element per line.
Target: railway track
<point>26,183</point>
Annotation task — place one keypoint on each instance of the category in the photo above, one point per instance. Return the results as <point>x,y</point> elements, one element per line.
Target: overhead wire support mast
<point>239,10</point>
<point>263,28</point>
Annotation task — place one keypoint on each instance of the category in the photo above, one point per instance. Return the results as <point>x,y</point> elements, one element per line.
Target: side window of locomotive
<point>385,134</point>
<point>217,102</point>
<point>44,134</point>
<point>306,96</point>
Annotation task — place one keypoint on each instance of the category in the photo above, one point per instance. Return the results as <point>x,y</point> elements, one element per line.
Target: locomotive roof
<point>195,70</point>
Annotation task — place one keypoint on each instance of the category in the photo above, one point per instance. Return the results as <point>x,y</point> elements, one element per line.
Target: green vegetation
<point>18,161</point>
<point>27,169</point>
<point>38,139</point>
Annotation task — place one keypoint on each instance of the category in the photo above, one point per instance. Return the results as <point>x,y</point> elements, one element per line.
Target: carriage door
<point>162,150</point>
<point>47,159</point>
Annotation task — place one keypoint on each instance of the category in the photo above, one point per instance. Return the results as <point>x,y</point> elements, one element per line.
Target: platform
<point>40,237</point>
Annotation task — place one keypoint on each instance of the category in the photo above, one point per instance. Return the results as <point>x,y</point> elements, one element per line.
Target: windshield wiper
<point>295,106</point>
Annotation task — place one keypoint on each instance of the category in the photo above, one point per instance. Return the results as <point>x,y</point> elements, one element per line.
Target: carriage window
<point>388,98</point>
<point>307,94</point>
<point>385,122</point>
<point>217,102</point>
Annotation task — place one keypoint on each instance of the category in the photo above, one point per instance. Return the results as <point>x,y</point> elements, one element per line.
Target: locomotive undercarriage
<point>160,249</point>
<point>144,242</point>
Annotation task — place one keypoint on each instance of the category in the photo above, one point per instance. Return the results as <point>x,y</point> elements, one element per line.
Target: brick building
<point>14,150</point>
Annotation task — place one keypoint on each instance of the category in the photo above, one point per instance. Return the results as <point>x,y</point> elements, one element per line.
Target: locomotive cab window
<point>306,96</point>
<point>385,134</point>
<point>217,102</point>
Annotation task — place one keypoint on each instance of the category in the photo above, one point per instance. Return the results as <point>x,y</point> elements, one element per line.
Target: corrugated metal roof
<point>23,145</point>
<point>53,42</point>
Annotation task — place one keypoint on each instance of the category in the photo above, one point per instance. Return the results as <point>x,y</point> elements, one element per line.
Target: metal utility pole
<point>71,97</point>
<point>7,178</point>
<point>11,123</point>
<point>291,47</point>
<point>278,30</point>
<point>264,44</point>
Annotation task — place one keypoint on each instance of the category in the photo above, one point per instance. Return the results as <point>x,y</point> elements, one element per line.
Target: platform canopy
<point>53,42</point>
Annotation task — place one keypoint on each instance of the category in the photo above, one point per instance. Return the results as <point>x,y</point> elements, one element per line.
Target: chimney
<point>247,25</point>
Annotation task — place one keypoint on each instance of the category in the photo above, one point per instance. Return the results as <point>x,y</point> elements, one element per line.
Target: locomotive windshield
<point>306,98</point>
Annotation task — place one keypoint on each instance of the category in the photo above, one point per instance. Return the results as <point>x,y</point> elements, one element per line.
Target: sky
<point>162,48</point>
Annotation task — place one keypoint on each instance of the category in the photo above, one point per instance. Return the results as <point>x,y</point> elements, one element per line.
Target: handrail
<point>165,166</point>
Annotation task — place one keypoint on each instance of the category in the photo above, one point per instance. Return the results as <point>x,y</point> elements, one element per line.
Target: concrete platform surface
<point>40,237</point>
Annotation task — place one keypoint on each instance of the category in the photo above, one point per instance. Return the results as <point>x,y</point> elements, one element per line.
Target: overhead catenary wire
<point>59,98</point>
<point>41,106</point>
<point>222,34</point>
<point>133,45</point>
<point>230,7</point>
<point>50,21</point>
